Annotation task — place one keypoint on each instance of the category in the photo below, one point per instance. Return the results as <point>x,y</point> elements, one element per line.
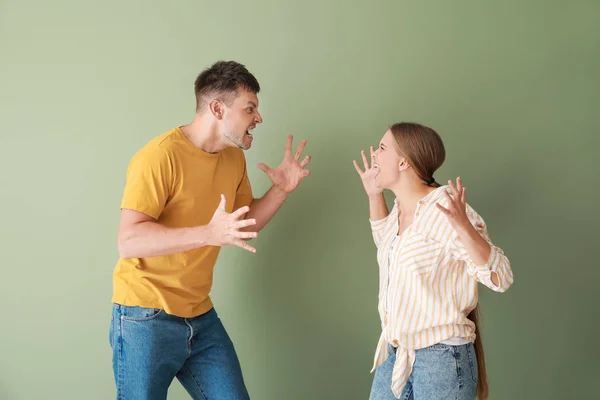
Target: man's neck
<point>204,135</point>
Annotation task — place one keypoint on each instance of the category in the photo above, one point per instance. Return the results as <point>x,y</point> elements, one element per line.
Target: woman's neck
<point>408,193</point>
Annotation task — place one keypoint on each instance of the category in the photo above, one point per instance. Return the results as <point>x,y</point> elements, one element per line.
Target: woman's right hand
<point>368,175</point>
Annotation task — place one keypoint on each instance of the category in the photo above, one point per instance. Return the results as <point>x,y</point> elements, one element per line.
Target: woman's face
<point>389,163</point>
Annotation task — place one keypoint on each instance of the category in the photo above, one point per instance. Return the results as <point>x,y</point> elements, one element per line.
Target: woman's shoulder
<point>430,221</point>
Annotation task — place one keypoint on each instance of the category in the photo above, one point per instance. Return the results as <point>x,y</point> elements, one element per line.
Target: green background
<point>513,87</point>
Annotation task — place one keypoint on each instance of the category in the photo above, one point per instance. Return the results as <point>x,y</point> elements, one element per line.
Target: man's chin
<point>246,143</point>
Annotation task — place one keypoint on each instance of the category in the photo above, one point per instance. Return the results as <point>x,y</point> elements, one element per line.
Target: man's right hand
<point>225,228</point>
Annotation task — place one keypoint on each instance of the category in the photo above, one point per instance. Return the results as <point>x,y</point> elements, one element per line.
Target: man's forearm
<point>264,208</point>
<point>150,239</point>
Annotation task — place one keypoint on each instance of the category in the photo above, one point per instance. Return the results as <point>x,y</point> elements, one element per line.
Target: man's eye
<point>249,109</point>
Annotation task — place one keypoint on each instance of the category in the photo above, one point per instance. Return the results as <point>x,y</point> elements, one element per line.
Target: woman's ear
<point>403,164</point>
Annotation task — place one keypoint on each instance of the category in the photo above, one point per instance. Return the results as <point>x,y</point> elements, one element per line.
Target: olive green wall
<point>513,87</point>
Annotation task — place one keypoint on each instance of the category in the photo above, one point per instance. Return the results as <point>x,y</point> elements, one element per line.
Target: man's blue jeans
<point>151,347</point>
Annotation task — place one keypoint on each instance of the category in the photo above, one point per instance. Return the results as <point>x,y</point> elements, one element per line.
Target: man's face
<point>240,118</point>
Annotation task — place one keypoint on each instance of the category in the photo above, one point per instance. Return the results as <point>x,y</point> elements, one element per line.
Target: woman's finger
<point>360,171</point>
<point>442,209</point>
<point>365,161</point>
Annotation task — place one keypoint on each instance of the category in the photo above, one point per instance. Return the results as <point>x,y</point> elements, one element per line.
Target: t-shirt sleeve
<point>243,195</point>
<point>149,182</point>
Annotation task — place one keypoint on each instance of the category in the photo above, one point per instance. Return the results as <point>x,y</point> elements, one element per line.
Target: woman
<point>432,250</point>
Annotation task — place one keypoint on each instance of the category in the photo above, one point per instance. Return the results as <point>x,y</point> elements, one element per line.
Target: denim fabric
<point>440,372</point>
<point>151,347</point>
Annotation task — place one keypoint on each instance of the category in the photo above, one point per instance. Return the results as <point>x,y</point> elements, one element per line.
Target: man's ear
<point>216,108</point>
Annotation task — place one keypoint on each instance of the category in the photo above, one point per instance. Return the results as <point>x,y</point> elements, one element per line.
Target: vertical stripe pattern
<point>428,283</point>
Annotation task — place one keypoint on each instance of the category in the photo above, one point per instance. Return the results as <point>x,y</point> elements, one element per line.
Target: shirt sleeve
<point>378,228</point>
<point>243,195</point>
<point>497,262</point>
<point>149,182</point>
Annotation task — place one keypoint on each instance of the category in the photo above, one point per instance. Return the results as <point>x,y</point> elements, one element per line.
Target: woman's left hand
<point>457,206</point>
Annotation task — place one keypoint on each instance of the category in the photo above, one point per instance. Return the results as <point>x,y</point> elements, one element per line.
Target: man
<point>187,194</point>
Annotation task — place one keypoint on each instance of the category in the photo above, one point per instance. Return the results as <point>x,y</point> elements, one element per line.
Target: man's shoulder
<point>162,143</point>
<point>157,148</point>
<point>165,141</point>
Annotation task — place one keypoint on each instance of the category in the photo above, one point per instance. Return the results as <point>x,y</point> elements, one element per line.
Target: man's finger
<point>263,167</point>
<point>246,235</point>
<point>240,211</point>
<point>288,146</point>
<point>244,245</point>
<point>305,161</point>
<point>222,203</point>
<point>245,223</point>
<point>305,173</point>
<point>300,149</point>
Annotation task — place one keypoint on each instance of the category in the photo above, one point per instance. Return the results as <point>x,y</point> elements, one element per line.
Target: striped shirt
<point>428,283</point>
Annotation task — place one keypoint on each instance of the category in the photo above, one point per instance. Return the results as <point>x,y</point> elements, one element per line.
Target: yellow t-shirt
<point>179,185</point>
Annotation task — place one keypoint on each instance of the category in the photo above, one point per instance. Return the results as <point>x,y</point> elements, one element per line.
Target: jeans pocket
<point>472,361</point>
<point>439,347</point>
<point>138,314</point>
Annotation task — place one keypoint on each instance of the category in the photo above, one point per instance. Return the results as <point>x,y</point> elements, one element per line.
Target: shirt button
<point>421,202</point>
<point>417,214</point>
<point>426,240</point>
